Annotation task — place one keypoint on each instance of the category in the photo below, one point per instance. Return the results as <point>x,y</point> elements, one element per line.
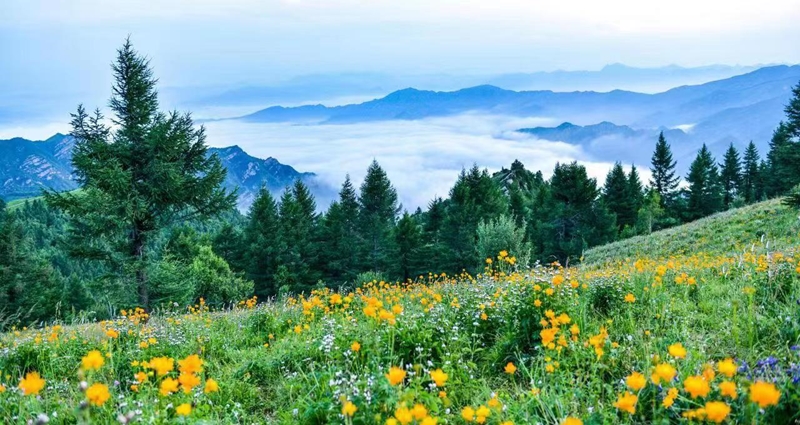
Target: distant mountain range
<point>733,110</point>
<point>332,86</point>
<point>26,167</point>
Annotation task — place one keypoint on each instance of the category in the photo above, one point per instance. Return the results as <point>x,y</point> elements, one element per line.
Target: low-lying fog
<point>422,158</point>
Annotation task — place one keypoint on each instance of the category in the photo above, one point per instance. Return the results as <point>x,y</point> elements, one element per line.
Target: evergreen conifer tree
<point>705,195</point>
<point>730,176</point>
<point>377,216</point>
<point>664,181</point>
<point>616,195</point>
<point>150,171</point>
<point>297,235</point>
<point>262,244</point>
<point>339,230</point>
<point>751,188</point>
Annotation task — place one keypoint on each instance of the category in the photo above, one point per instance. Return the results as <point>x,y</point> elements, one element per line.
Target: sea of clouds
<point>422,158</point>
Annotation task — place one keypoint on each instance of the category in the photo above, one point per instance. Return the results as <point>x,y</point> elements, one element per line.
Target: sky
<point>66,46</point>
<point>56,53</point>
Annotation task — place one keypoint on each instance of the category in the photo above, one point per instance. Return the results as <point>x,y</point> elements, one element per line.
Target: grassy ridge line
<point>726,232</point>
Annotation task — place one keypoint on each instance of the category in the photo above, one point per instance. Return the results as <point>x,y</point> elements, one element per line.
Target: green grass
<point>727,232</point>
<point>715,286</point>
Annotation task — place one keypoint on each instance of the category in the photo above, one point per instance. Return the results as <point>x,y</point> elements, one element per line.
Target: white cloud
<point>422,158</point>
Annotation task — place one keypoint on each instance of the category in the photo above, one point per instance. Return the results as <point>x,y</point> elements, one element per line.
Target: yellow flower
<point>468,414</point>
<point>403,415</point>
<point>188,381</point>
<point>419,411</point>
<point>356,347</point>
<point>635,381</point>
<point>97,394</point>
<point>428,421</point>
<point>669,400</point>
<point>168,386</point>
<point>665,372</point>
<point>32,384</point>
<point>211,386</point>
<point>191,364</point>
<point>764,393</point>
<point>571,421</point>
<point>510,368</point>
<point>439,377</point>
<point>396,375</point>
<point>349,409</point>
<point>630,298</point>
<point>728,389</point>
<point>482,413</point>
<point>717,411</point>
<point>93,360</point>
<point>727,367</point>
<point>2,388</point>
<point>184,409</point>
<point>558,280</point>
<point>162,365</point>
<point>696,386</point>
<point>676,350</point>
<point>627,402</point>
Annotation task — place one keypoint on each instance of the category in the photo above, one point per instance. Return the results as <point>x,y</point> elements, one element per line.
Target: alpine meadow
<point>347,212</point>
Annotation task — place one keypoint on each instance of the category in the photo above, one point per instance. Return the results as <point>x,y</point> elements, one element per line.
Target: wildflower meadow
<point>700,336</point>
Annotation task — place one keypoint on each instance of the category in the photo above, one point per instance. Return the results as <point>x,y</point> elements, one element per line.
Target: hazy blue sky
<point>68,45</point>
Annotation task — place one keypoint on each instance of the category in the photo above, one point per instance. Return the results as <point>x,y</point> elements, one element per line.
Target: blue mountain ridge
<point>26,167</point>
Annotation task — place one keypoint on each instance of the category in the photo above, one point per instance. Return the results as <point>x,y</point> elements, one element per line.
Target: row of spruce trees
<point>152,225</point>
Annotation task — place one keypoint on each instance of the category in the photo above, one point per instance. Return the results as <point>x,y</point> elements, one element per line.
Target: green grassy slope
<point>726,232</point>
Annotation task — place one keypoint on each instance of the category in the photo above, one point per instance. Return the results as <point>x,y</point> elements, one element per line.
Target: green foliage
<point>664,180</point>
<point>214,281</point>
<point>752,185</point>
<point>474,198</point>
<point>731,176</point>
<point>705,195</point>
<point>340,236</point>
<point>148,173</point>
<point>408,239</point>
<point>297,251</point>
<point>377,215</point>
<point>503,234</point>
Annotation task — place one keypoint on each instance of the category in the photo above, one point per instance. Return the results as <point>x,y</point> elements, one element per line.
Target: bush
<point>214,280</point>
<point>503,234</point>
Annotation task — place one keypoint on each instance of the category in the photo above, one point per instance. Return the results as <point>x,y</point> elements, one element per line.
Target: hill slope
<point>728,232</point>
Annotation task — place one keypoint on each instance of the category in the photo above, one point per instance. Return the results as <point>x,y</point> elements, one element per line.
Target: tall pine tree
<point>663,180</point>
<point>261,243</point>
<point>150,171</point>
<point>377,216</point>
<point>408,237</point>
<point>475,197</point>
<point>339,231</point>
<point>705,190</point>
<point>616,195</point>
<point>298,239</point>
<point>730,176</point>
<point>784,153</point>
<point>751,187</point>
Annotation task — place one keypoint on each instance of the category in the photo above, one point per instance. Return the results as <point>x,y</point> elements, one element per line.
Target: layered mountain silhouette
<point>737,109</point>
<point>26,167</point>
